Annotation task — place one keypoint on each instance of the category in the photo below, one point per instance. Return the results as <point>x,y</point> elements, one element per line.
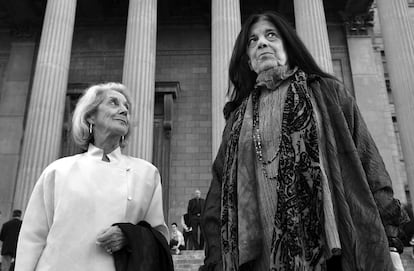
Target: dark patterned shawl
<point>298,231</point>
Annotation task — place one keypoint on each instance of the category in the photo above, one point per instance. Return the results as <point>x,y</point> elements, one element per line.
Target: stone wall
<point>16,68</point>
<point>183,55</point>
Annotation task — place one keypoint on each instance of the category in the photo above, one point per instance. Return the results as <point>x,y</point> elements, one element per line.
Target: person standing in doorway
<point>9,235</point>
<point>195,206</point>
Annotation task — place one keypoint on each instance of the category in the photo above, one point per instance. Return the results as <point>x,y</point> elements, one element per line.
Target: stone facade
<point>184,55</point>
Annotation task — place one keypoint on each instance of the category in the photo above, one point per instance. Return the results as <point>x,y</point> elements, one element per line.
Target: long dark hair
<point>240,75</point>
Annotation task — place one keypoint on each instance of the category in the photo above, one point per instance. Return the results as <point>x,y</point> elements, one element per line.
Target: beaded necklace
<point>271,79</point>
<point>258,143</point>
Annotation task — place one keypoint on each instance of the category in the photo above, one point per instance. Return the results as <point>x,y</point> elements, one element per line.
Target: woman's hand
<point>111,239</point>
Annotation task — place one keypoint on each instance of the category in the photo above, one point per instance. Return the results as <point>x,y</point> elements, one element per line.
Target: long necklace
<point>258,143</point>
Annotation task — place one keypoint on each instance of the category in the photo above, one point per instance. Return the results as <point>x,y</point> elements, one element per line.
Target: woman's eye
<point>251,42</point>
<point>272,35</point>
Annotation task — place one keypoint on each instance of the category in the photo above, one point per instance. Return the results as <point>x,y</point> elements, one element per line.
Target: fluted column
<point>42,136</point>
<point>139,74</point>
<point>311,27</point>
<point>399,51</point>
<point>225,26</point>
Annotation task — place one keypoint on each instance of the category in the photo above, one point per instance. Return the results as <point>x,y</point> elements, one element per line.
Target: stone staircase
<point>407,259</point>
<point>188,260</point>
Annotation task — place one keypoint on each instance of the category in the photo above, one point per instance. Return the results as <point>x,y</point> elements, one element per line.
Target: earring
<point>90,128</point>
<point>122,139</point>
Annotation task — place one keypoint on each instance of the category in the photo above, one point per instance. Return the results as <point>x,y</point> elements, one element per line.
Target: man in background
<point>9,235</point>
<point>187,231</point>
<point>195,205</point>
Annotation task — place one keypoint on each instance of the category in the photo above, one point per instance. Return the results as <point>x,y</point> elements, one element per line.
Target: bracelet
<point>393,249</point>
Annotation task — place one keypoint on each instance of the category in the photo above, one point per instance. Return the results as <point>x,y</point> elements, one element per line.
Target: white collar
<point>97,153</point>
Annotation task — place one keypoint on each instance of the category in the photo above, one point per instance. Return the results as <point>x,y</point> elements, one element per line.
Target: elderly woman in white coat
<point>77,199</point>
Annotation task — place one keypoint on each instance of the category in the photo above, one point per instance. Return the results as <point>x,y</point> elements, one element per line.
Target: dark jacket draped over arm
<point>147,249</point>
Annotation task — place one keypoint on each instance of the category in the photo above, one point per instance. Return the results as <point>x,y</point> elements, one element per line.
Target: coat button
<point>129,198</point>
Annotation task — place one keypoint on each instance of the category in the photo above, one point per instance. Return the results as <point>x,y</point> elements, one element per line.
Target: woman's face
<point>265,47</point>
<point>112,116</point>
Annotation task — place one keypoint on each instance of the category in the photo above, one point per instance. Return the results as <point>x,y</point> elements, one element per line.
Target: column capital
<point>24,18</point>
<point>360,24</point>
<point>24,32</point>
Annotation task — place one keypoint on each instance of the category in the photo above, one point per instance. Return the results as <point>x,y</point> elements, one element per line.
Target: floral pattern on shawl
<point>297,236</point>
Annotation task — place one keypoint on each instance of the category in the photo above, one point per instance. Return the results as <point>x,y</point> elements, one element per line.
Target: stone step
<point>191,260</point>
<point>407,259</point>
<point>188,260</point>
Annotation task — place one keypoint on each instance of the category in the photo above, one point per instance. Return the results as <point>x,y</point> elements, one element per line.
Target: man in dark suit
<point>195,206</point>
<point>9,235</point>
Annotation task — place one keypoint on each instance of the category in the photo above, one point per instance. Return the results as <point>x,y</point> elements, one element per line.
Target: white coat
<point>77,197</point>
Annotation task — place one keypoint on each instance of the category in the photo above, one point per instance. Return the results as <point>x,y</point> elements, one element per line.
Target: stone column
<point>399,51</point>
<point>225,26</point>
<point>139,74</point>
<point>372,99</point>
<point>311,27</point>
<point>42,136</point>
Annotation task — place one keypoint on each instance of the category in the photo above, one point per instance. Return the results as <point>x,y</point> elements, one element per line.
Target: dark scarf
<point>297,234</point>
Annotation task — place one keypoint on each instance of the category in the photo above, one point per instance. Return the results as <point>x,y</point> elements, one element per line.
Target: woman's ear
<point>91,119</point>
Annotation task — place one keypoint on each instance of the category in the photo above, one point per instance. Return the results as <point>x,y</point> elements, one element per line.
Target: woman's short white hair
<point>87,106</point>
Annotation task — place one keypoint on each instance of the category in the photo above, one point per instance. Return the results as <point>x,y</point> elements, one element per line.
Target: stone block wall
<point>191,133</point>
<point>16,68</point>
<point>184,55</point>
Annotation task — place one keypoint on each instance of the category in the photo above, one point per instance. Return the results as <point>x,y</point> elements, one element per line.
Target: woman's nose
<point>262,42</point>
<point>123,110</point>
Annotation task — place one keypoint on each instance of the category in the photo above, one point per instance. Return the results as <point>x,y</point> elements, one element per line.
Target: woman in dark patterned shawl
<point>298,183</point>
